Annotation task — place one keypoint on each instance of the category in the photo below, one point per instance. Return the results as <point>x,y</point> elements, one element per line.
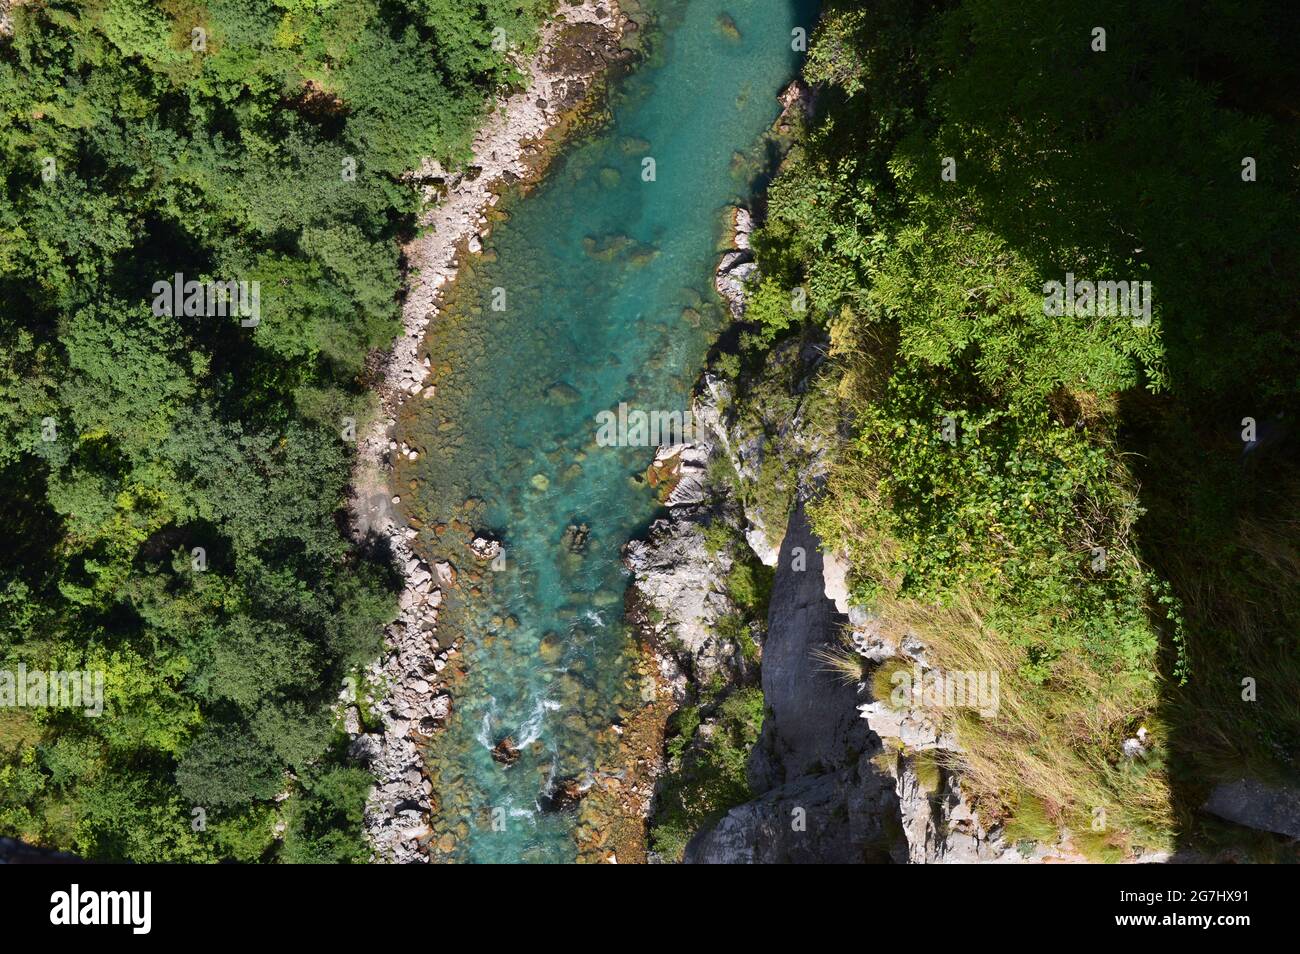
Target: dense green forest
<point>1065,498</point>
<point>227,140</point>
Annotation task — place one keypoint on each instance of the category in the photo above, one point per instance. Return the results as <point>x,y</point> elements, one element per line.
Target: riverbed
<point>593,290</point>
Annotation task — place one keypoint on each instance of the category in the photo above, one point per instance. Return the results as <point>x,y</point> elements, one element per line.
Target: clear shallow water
<point>608,298</point>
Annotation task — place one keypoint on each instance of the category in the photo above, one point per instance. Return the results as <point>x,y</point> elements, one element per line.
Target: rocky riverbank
<point>405,696</point>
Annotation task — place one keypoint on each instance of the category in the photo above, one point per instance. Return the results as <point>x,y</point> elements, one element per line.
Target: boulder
<point>506,751</point>
<point>485,548</point>
<point>563,796</point>
<point>1257,805</point>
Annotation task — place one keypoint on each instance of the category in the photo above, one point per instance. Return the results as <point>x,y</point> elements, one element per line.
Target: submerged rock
<point>562,393</point>
<point>606,248</point>
<point>551,648</point>
<point>727,27</point>
<point>575,537</point>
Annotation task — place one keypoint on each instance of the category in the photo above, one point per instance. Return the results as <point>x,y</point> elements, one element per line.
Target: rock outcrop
<point>821,797</point>
<point>737,268</point>
<point>837,777</point>
<point>684,467</point>
<point>1257,805</point>
<point>827,819</point>
<point>680,591</point>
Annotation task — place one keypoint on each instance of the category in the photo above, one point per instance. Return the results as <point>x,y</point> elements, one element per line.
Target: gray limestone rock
<point>1257,805</point>
<point>676,577</point>
<point>821,798</point>
<point>812,715</point>
<point>838,818</point>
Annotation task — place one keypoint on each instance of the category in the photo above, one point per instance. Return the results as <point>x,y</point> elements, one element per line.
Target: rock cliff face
<point>1257,805</point>
<point>737,267</point>
<point>820,797</point>
<point>682,585</point>
<point>836,775</point>
<point>812,716</point>
<point>938,822</point>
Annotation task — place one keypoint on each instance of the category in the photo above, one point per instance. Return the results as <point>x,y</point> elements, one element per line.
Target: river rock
<point>440,708</point>
<point>506,751</point>
<point>485,548</point>
<point>564,796</point>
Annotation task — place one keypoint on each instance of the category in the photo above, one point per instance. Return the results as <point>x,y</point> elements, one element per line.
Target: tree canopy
<point>172,483</point>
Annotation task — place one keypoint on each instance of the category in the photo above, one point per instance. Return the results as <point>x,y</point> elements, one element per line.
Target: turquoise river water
<point>606,283</point>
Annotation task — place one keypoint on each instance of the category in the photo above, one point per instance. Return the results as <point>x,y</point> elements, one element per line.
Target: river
<point>596,290</point>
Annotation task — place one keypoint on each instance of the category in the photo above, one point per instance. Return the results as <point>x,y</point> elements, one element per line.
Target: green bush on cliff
<point>706,774</point>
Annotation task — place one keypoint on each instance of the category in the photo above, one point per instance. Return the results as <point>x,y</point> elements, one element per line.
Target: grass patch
<point>842,662</point>
<point>928,770</point>
<point>882,681</point>
<point>17,729</point>
<point>1031,821</point>
<point>1013,593</point>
